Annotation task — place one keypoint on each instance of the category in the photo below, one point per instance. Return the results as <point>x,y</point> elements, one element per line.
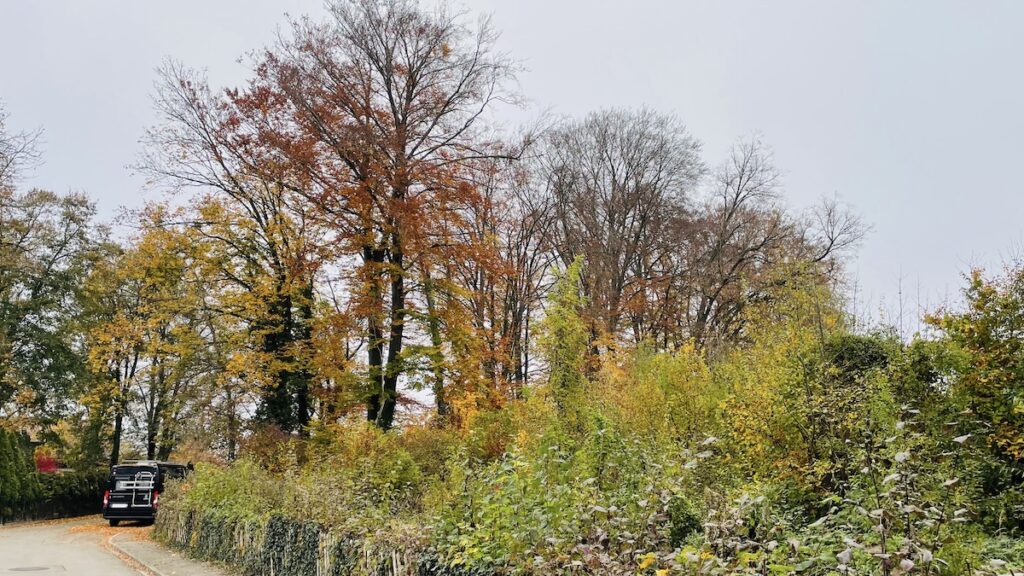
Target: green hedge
<point>70,494</point>
<point>19,484</point>
<point>281,546</point>
<point>28,495</point>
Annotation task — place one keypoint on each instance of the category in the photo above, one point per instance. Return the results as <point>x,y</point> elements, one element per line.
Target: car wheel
<point>114,523</point>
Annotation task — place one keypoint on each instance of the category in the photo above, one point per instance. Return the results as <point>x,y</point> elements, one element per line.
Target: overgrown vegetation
<point>805,449</point>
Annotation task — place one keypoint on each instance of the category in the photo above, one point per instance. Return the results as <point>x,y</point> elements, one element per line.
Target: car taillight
<point>106,498</point>
<point>156,498</point>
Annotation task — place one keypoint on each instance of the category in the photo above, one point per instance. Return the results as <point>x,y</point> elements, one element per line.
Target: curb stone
<point>161,561</point>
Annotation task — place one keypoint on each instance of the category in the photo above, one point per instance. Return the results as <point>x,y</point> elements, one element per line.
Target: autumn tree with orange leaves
<point>379,116</point>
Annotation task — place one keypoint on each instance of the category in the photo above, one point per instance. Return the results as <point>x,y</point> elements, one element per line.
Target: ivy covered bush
<point>264,525</point>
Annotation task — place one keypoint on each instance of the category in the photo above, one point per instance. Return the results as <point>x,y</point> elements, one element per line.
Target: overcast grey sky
<point>912,112</point>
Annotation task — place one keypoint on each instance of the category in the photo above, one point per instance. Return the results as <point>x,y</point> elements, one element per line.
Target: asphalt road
<point>76,547</point>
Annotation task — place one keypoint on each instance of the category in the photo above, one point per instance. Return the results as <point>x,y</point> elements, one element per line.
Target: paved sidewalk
<point>160,560</point>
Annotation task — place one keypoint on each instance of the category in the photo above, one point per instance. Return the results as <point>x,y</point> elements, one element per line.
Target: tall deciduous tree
<point>146,341</point>
<point>505,291</point>
<point>743,244</point>
<point>46,243</point>
<point>260,243</point>
<point>620,181</point>
<point>379,116</point>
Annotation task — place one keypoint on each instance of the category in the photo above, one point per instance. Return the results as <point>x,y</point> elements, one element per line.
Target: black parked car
<point>133,489</point>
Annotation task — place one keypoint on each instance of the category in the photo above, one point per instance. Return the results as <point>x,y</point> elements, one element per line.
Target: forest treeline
<point>351,226</point>
<point>577,347</point>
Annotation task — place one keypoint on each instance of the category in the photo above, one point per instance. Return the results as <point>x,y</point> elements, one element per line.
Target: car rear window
<point>173,472</point>
<point>133,477</point>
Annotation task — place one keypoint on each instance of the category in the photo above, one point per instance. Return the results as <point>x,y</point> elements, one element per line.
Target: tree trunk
<point>124,379</point>
<point>157,382</point>
<point>436,356</point>
<point>375,346</point>
<point>115,441</point>
<point>389,394</point>
<point>276,403</point>
<point>303,377</point>
<point>232,426</point>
